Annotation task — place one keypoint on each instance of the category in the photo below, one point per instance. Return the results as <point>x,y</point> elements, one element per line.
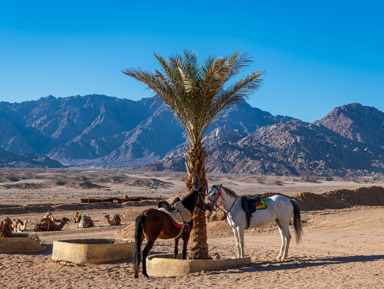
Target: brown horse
<point>153,224</point>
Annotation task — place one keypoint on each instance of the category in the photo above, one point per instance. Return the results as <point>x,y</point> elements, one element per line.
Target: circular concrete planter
<point>163,265</point>
<point>21,243</point>
<point>92,251</point>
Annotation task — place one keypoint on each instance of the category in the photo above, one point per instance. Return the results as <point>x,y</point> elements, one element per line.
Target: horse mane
<point>189,200</point>
<point>229,192</point>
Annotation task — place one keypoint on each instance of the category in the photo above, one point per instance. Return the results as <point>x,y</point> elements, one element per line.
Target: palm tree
<point>195,93</point>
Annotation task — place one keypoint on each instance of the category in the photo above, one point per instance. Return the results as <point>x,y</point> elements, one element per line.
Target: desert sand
<point>341,247</point>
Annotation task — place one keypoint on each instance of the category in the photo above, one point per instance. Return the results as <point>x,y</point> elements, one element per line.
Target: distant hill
<point>12,160</point>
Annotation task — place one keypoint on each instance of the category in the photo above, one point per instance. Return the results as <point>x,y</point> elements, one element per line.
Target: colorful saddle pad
<point>174,222</point>
<point>261,204</point>
<point>252,205</point>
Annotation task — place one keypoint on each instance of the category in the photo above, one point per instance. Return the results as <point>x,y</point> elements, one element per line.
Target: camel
<point>48,225</point>
<point>20,226</point>
<point>76,217</point>
<point>6,228</point>
<point>115,220</point>
<point>14,225</point>
<point>86,222</point>
<point>49,215</point>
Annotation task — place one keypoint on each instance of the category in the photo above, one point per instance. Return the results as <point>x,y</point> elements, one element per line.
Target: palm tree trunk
<point>198,248</point>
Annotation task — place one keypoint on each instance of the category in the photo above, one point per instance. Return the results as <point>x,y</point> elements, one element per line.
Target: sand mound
<point>339,199</point>
<point>127,233</point>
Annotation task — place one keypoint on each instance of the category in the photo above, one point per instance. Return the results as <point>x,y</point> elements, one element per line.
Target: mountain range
<point>97,131</point>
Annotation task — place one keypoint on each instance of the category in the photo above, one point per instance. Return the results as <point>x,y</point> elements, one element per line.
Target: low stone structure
<point>92,251</point>
<point>163,265</point>
<point>21,243</point>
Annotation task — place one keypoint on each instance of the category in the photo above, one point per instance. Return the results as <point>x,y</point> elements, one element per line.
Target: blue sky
<point>317,54</point>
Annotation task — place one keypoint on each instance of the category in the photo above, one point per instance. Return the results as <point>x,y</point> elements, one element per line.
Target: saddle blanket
<point>175,217</point>
<point>179,216</point>
<point>262,204</point>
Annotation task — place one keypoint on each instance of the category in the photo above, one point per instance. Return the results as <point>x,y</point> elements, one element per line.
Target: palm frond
<point>194,92</point>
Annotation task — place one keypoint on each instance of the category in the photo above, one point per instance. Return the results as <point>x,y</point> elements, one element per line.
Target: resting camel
<point>20,226</point>
<point>49,215</point>
<point>48,225</point>
<point>14,225</point>
<point>77,217</point>
<point>6,228</point>
<point>115,220</point>
<point>86,222</point>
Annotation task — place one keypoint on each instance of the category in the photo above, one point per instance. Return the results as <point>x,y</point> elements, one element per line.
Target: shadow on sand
<point>292,264</point>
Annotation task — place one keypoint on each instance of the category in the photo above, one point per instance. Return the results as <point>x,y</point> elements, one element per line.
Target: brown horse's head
<point>194,200</point>
<point>199,202</point>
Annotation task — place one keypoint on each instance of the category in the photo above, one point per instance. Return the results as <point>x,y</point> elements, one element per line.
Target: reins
<point>200,197</point>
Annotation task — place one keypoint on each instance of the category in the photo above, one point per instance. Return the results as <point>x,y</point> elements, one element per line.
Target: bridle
<point>201,199</point>
<point>214,203</point>
<point>219,194</point>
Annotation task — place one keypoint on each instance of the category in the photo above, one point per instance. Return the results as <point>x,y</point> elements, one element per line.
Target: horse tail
<point>138,240</point>
<point>297,220</point>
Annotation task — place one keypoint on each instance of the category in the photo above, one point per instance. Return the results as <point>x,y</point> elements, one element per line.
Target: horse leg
<point>185,244</point>
<point>146,250</point>
<point>288,237</point>
<point>241,236</point>
<point>239,241</point>
<point>176,251</point>
<point>234,229</point>
<point>285,240</point>
<point>282,240</point>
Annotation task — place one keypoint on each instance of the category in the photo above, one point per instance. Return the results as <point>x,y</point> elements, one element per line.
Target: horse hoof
<point>136,276</point>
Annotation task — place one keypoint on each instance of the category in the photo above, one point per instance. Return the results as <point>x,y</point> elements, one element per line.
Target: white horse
<point>279,209</point>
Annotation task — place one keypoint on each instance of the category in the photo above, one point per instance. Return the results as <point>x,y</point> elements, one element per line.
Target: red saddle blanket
<point>174,216</point>
<point>177,225</point>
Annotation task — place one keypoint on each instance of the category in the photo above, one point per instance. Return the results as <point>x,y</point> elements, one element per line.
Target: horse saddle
<point>165,205</point>
<point>174,215</point>
<point>178,214</point>
<point>250,205</point>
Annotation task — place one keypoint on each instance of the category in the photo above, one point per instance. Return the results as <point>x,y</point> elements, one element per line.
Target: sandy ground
<point>341,248</point>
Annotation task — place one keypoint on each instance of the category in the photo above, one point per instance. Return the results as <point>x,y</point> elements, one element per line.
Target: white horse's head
<point>215,197</point>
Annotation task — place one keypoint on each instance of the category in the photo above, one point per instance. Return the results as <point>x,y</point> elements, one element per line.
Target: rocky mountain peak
<point>354,121</point>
